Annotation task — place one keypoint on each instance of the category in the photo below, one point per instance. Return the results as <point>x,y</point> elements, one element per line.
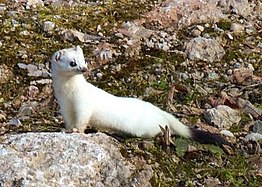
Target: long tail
<point>196,134</point>
<point>208,137</point>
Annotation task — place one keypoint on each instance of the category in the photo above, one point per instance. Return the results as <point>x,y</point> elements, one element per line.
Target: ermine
<point>83,104</point>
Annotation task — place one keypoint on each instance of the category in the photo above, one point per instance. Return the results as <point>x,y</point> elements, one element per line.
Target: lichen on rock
<point>60,159</point>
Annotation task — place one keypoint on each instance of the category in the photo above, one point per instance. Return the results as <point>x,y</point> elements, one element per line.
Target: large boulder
<point>60,159</point>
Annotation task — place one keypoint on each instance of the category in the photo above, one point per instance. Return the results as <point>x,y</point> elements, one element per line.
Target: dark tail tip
<point>208,138</point>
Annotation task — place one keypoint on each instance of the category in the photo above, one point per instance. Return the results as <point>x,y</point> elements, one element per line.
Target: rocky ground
<point>200,60</point>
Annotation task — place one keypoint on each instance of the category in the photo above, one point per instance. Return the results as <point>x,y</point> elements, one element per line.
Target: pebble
<point>253,137</point>
<point>14,121</point>
<point>25,33</point>
<point>2,7</point>
<point>27,108</point>
<point>48,26</point>
<point>206,35</point>
<point>236,65</point>
<point>163,34</point>
<point>196,32</point>
<point>119,35</point>
<point>257,128</point>
<point>230,36</point>
<point>251,67</point>
<point>184,76</point>
<point>250,29</point>
<point>99,75</point>
<point>227,133</point>
<point>150,44</point>
<point>230,72</point>
<point>200,28</point>
<point>41,81</point>
<point>222,117</point>
<point>32,92</point>
<point>236,27</point>
<point>130,42</point>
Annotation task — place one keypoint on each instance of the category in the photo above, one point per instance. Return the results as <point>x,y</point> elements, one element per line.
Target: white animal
<point>83,104</point>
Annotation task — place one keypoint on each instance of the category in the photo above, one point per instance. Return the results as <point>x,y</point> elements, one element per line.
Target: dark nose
<point>83,69</point>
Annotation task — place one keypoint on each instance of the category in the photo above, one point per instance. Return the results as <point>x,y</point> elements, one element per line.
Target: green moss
<point>224,24</point>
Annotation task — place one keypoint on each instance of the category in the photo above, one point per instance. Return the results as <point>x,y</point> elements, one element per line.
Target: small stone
<point>150,44</point>
<point>251,67</point>
<point>130,42</point>
<point>236,28</point>
<point>184,76</point>
<point>99,75</point>
<point>99,28</point>
<point>27,108</point>
<point>257,128</point>
<point>222,117</point>
<point>227,133</point>
<point>217,29</point>
<point>25,33</point>
<point>196,32</point>
<point>24,56</point>
<point>213,76</point>
<point>48,26</point>
<point>230,72</point>
<point>253,137</point>
<point>163,34</point>
<point>41,81</point>
<point>250,29</point>
<point>200,28</point>
<point>165,46</point>
<point>14,121</point>
<point>119,35</point>
<point>230,36</point>
<point>100,34</point>
<point>2,7</point>
<point>32,92</point>
<point>208,50</point>
<point>34,3</point>
<point>206,35</point>
<point>236,65</point>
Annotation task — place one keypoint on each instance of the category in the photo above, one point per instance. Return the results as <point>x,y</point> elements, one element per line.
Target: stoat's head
<point>69,61</point>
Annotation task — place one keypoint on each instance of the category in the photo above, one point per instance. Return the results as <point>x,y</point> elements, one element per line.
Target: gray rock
<point>27,108</point>
<point>48,26</point>
<point>253,137</point>
<point>2,7</point>
<point>257,128</point>
<point>200,28</point>
<point>15,122</point>
<point>150,44</point>
<point>60,159</point>
<point>236,28</point>
<point>34,3</point>
<point>208,50</point>
<point>41,81</point>
<point>34,70</point>
<point>222,117</point>
<point>196,32</point>
<point>227,133</point>
<point>99,75</point>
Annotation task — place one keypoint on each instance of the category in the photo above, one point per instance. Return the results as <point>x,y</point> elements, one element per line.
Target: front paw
<point>67,130</point>
<point>78,130</point>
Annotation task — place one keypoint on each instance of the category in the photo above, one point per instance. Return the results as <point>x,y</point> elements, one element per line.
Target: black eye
<point>72,64</point>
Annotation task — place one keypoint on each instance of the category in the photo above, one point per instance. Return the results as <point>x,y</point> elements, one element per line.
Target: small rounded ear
<point>78,48</point>
<point>58,56</point>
